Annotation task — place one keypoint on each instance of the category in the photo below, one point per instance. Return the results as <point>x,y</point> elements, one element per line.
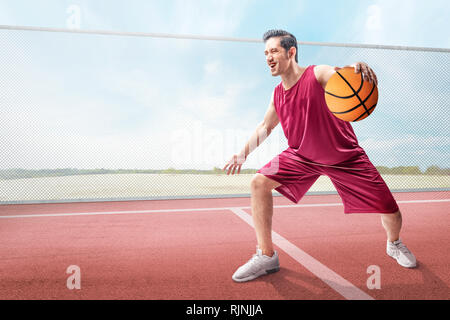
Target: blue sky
<point>87,101</point>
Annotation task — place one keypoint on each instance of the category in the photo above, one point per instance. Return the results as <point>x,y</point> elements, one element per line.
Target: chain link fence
<point>89,116</point>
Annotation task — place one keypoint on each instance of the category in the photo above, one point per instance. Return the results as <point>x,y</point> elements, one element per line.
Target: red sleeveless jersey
<point>312,131</point>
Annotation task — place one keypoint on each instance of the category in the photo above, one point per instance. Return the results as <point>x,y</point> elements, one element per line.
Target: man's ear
<point>291,52</point>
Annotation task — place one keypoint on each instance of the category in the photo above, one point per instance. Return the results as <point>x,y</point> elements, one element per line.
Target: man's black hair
<point>287,40</point>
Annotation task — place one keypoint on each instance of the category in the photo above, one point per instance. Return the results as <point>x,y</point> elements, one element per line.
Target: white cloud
<point>214,17</point>
<point>401,22</point>
<point>6,16</point>
<point>136,84</point>
<point>213,67</point>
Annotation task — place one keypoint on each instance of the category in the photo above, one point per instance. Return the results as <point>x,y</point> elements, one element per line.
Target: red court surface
<point>188,249</point>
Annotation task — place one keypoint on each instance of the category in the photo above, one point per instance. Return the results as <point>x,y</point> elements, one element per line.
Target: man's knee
<point>262,183</point>
<point>392,216</point>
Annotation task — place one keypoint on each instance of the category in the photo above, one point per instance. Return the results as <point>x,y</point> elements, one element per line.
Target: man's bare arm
<point>262,131</point>
<point>323,73</point>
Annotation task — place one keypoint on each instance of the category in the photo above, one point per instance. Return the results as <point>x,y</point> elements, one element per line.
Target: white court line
<point>331,278</point>
<point>156,211</point>
<point>111,212</point>
<point>190,209</point>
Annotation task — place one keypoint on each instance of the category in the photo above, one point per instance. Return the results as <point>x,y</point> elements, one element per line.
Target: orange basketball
<point>349,97</point>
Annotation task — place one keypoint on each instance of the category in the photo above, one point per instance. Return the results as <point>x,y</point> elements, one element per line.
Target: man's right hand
<point>234,163</point>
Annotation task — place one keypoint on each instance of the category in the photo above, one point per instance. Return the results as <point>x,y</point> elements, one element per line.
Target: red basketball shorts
<point>357,181</point>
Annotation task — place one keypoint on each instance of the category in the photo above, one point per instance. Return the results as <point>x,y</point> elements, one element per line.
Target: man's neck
<point>291,76</point>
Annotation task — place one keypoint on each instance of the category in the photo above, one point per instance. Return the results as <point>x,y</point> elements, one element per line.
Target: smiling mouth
<point>272,66</point>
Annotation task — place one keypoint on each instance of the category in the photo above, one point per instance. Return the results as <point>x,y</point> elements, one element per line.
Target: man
<point>319,144</point>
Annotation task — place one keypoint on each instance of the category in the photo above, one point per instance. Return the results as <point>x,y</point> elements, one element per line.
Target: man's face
<point>276,56</point>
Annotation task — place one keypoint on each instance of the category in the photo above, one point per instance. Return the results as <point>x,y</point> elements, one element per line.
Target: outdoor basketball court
<point>188,249</point>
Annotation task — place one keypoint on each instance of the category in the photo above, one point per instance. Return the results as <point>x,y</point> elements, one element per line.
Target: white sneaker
<point>257,266</point>
<point>401,253</point>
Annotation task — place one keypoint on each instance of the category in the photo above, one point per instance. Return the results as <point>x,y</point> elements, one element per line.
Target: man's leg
<point>295,179</point>
<point>262,211</point>
<point>392,223</point>
<point>265,261</point>
<point>365,191</point>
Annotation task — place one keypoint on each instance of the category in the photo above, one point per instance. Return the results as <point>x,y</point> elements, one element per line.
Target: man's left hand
<point>366,71</point>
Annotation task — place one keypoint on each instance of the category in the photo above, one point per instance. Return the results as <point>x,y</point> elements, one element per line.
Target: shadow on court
<point>294,285</point>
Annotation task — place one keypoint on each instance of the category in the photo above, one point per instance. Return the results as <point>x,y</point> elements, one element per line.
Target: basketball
<point>349,97</point>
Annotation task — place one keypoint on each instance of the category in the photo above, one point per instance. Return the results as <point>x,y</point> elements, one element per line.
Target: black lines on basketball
<point>354,93</point>
<point>350,86</point>
<point>347,103</point>
<point>364,114</point>
<point>361,103</point>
